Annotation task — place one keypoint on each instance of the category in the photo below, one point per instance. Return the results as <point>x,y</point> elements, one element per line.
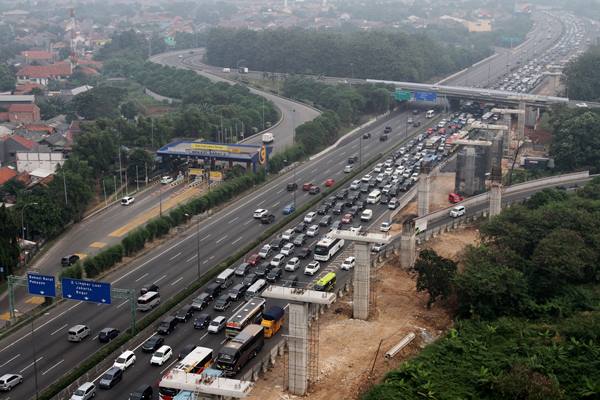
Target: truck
<point>267,137</point>
<point>272,320</point>
<point>243,70</point>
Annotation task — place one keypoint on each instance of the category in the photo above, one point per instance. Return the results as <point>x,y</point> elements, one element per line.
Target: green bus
<point>326,283</point>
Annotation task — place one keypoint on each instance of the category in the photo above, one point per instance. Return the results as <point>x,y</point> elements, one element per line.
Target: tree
<point>9,244</point>
<point>129,110</point>
<point>138,162</point>
<point>582,76</point>
<point>435,275</point>
<point>99,102</point>
<point>7,79</point>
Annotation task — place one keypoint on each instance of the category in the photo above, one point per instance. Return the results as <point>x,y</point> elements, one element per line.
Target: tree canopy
<point>582,76</point>
<point>7,78</point>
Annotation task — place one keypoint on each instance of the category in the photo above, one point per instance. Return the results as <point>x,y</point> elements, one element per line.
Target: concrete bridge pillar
<point>361,280</point>
<point>495,199</point>
<point>408,252</point>
<point>520,133</point>
<point>298,349</point>
<point>423,194</point>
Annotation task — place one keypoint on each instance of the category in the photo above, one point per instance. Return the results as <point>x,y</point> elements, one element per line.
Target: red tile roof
<point>4,116</point>
<point>46,71</point>
<point>37,55</point>
<point>39,128</point>
<point>25,88</point>
<point>6,174</point>
<point>13,108</point>
<point>22,141</point>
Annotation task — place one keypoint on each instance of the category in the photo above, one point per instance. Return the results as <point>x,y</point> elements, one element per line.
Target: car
<point>393,203</point>
<point>306,186</point>
<point>329,182</point>
<point>409,120</point>
<point>149,288</point>
<point>366,215</point>
<point>416,124</point>
<point>253,259</point>
<point>348,263</point>
<point>387,129</point>
<point>84,392</point>
<point>355,185</point>
<point>341,194</point>
<point>314,189</point>
<point>217,324</point>
<point>143,392</point>
<point>125,360</point>
<point>202,321</point>
<point>383,137</point>
<point>288,249</point>
<point>377,247</point>
<point>258,213</point>
<point>364,188</point>
<point>110,378</point>
<point>329,202</point>
<point>301,227</point>
<point>161,355</point>
<point>312,231</point>
<point>185,313</point>
<point>303,252</point>
<point>299,240</point>
<point>277,260</point>
<point>201,301</point>
<point>384,199</point>
<point>292,264</point>
<point>69,260</point>
<point>415,111</point>
<point>249,279</point>
<point>9,381</point>
<point>277,243</point>
<point>378,167</point>
<point>335,225</point>
<point>312,268</point>
<point>366,135</point>
<point>127,200</point>
<point>263,269</point>
<point>167,325</point>
<point>366,178</point>
<point>310,217</point>
<point>325,221</point>
<point>242,269</point>
<point>267,219</point>
<point>291,186</point>
<point>107,334</point>
<point>166,180</point>
<point>338,208</point>
<point>222,303</point>
<point>289,209</point>
<point>353,210</point>
<point>385,226</point>
<point>347,218</point>
<point>323,209</point>
<point>352,159</point>
<point>237,292</point>
<point>287,234</point>
<point>360,205</point>
<point>457,211</point>
<point>265,251</point>
<point>274,274</point>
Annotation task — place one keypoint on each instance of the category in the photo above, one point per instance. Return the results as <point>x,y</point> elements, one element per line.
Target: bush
<point>74,271</point>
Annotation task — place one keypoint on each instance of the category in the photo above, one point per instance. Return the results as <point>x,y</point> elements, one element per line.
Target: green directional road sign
<point>402,95</point>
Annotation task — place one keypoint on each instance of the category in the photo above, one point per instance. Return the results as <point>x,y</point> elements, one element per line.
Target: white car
<point>278,260</point>
<point>312,268</point>
<point>377,247</point>
<point>292,264</point>
<point>287,249</point>
<point>356,229</point>
<point>125,360</point>
<point>217,324</point>
<point>380,177</point>
<point>161,355</point>
<point>386,189</point>
<point>355,185</point>
<point>9,381</point>
<point>260,212</point>
<point>166,180</point>
<point>457,211</point>
<point>265,251</point>
<point>312,231</point>
<point>366,178</point>
<point>366,215</point>
<point>310,217</point>
<point>84,392</point>
<point>385,226</point>
<point>378,167</point>
<point>127,200</point>
<point>287,235</point>
<point>349,263</point>
<point>348,168</point>
<point>388,171</point>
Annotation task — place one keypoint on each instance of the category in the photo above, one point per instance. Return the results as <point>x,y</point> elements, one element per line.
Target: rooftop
<point>6,174</point>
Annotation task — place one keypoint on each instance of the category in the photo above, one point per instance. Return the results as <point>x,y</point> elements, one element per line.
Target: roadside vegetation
<point>527,308</point>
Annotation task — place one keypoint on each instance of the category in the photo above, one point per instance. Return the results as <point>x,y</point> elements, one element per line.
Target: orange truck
<point>272,320</point>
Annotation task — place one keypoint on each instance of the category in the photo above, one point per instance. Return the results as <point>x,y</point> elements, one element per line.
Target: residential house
<point>38,56</point>
<point>6,174</point>
<point>10,145</point>
<point>44,161</point>
<point>24,113</point>
<point>42,74</point>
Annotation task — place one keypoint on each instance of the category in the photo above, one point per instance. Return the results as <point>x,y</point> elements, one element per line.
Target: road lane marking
<point>262,202</point>
<point>160,279</point>
<point>59,329</point>
<point>168,366</point>
<point>279,191</point>
<point>17,356</point>
<point>276,204</point>
<point>123,303</point>
<point>211,257</point>
<point>247,222</point>
<point>52,367</point>
<point>175,256</point>
<point>237,240</point>
<point>191,258</point>
<point>177,281</point>
<point>201,338</point>
<point>205,262</point>
<point>220,240</point>
<point>30,364</point>
<point>205,237</point>
<point>233,220</point>
<point>312,171</point>
<point>96,337</point>
<point>142,277</point>
<point>224,340</point>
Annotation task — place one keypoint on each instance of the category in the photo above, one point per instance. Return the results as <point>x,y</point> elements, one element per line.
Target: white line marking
<point>52,367</point>
<point>17,356</point>
<point>177,281</point>
<point>262,202</point>
<point>233,220</point>
<point>205,262</point>
<point>168,366</point>
<point>247,222</point>
<point>160,279</point>
<point>191,258</point>
<point>279,191</point>
<point>175,256</point>
<point>276,204</point>
<point>123,303</point>
<point>94,338</point>
<point>140,278</point>
<point>205,335</point>
<point>224,340</point>
<point>312,171</point>
<point>211,257</point>
<point>30,364</point>
<point>205,237</point>
<point>220,240</point>
<point>59,329</point>
<point>237,240</point>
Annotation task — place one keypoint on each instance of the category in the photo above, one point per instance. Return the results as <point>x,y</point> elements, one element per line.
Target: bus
<point>236,353</point>
<point>148,301</point>
<point>249,313</point>
<point>327,247</point>
<point>487,116</point>
<point>326,283</point>
<point>195,363</point>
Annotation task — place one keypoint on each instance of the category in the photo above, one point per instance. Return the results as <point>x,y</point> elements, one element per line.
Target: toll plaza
<point>207,154</point>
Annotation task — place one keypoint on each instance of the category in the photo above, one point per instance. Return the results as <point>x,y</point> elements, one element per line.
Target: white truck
<point>267,137</point>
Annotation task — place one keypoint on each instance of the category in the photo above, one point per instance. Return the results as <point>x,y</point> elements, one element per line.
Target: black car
<point>213,289</point>
<point>291,186</point>
<point>301,227</point>
<point>69,260</point>
<point>187,349</point>
<point>274,274</point>
<point>242,269</point>
<point>325,221</point>
<point>338,208</point>
<point>201,301</point>
<point>416,124</point>
<point>222,303</point>
<point>367,135</point>
<point>323,209</point>
<point>330,201</point>
<point>364,187</point>
<point>303,252</point>
<point>111,378</point>
<point>354,196</point>
<point>277,243</point>
<point>249,279</point>
<point>352,159</point>
<point>387,129</point>
<point>384,199</point>
<point>383,137</point>
<point>291,281</point>
<point>341,194</point>
<point>153,344</point>
<point>353,210</point>
<point>150,288</point>
<point>202,321</point>
<point>372,182</point>
<point>107,334</point>
<point>405,186</point>
<point>263,269</point>
<point>267,219</point>
<point>167,325</point>
<point>349,202</point>
<point>237,292</point>
<point>185,313</point>
<point>143,392</point>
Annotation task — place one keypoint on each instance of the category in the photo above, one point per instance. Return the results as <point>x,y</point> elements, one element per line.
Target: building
<point>10,145</point>
<point>38,56</point>
<point>7,99</point>
<point>36,161</point>
<point>42,74</point>
<point>24,113</point>
<point>6,174</point>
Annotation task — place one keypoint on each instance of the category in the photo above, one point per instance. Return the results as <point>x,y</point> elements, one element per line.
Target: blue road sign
<point>92,291</point>
<point>425,96</point>
<point>41,285</point>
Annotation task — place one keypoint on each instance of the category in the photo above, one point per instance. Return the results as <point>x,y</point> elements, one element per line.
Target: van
<point>429,114</point>
<point>143,392</point>
<point>457,211</point>
<point>78,332</point>
<point>225,278</point>
<point>84,392</point>
<point>255,289</point>
<point>167,326</point>
<point>366,215</point>
<point>237,292</point>
<point>374,197</point>
<point>267,137</point>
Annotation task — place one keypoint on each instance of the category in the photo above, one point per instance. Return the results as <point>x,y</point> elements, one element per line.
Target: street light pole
<point>23,218</point>
<point>198,246</point>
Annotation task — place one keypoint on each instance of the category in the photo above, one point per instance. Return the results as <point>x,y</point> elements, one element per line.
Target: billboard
<point>425,96</point>
<point>215,147</point>
<point>92,291</point>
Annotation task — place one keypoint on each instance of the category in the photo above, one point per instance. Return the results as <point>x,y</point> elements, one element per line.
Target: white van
<point>457,211</point>
<point>366,215</point>
<point>225,278</point>
<point>227,70</point>
<point>374,197</point>
<point>267,137</point>
<point>255,289</point>
<point>84,392</point>
<point>429,114</point>
<point>148,301</point>
<point>78,332</point>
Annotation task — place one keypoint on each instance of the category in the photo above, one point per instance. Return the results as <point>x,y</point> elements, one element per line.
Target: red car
<point>306,187</point>
<point>329,182</point>
<point>430,131</point>
<point>347,219</point>
<point>455,198</point>
<point>253,259</point>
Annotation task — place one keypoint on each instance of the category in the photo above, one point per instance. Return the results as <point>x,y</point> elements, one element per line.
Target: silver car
<point>9,381</point>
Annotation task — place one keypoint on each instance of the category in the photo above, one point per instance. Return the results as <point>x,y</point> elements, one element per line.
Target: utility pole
<point>65,186</point>
<point>137,178</point>
<point>104,189</point>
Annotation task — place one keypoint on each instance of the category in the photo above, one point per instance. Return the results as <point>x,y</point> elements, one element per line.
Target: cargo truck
<point>272,320</point>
